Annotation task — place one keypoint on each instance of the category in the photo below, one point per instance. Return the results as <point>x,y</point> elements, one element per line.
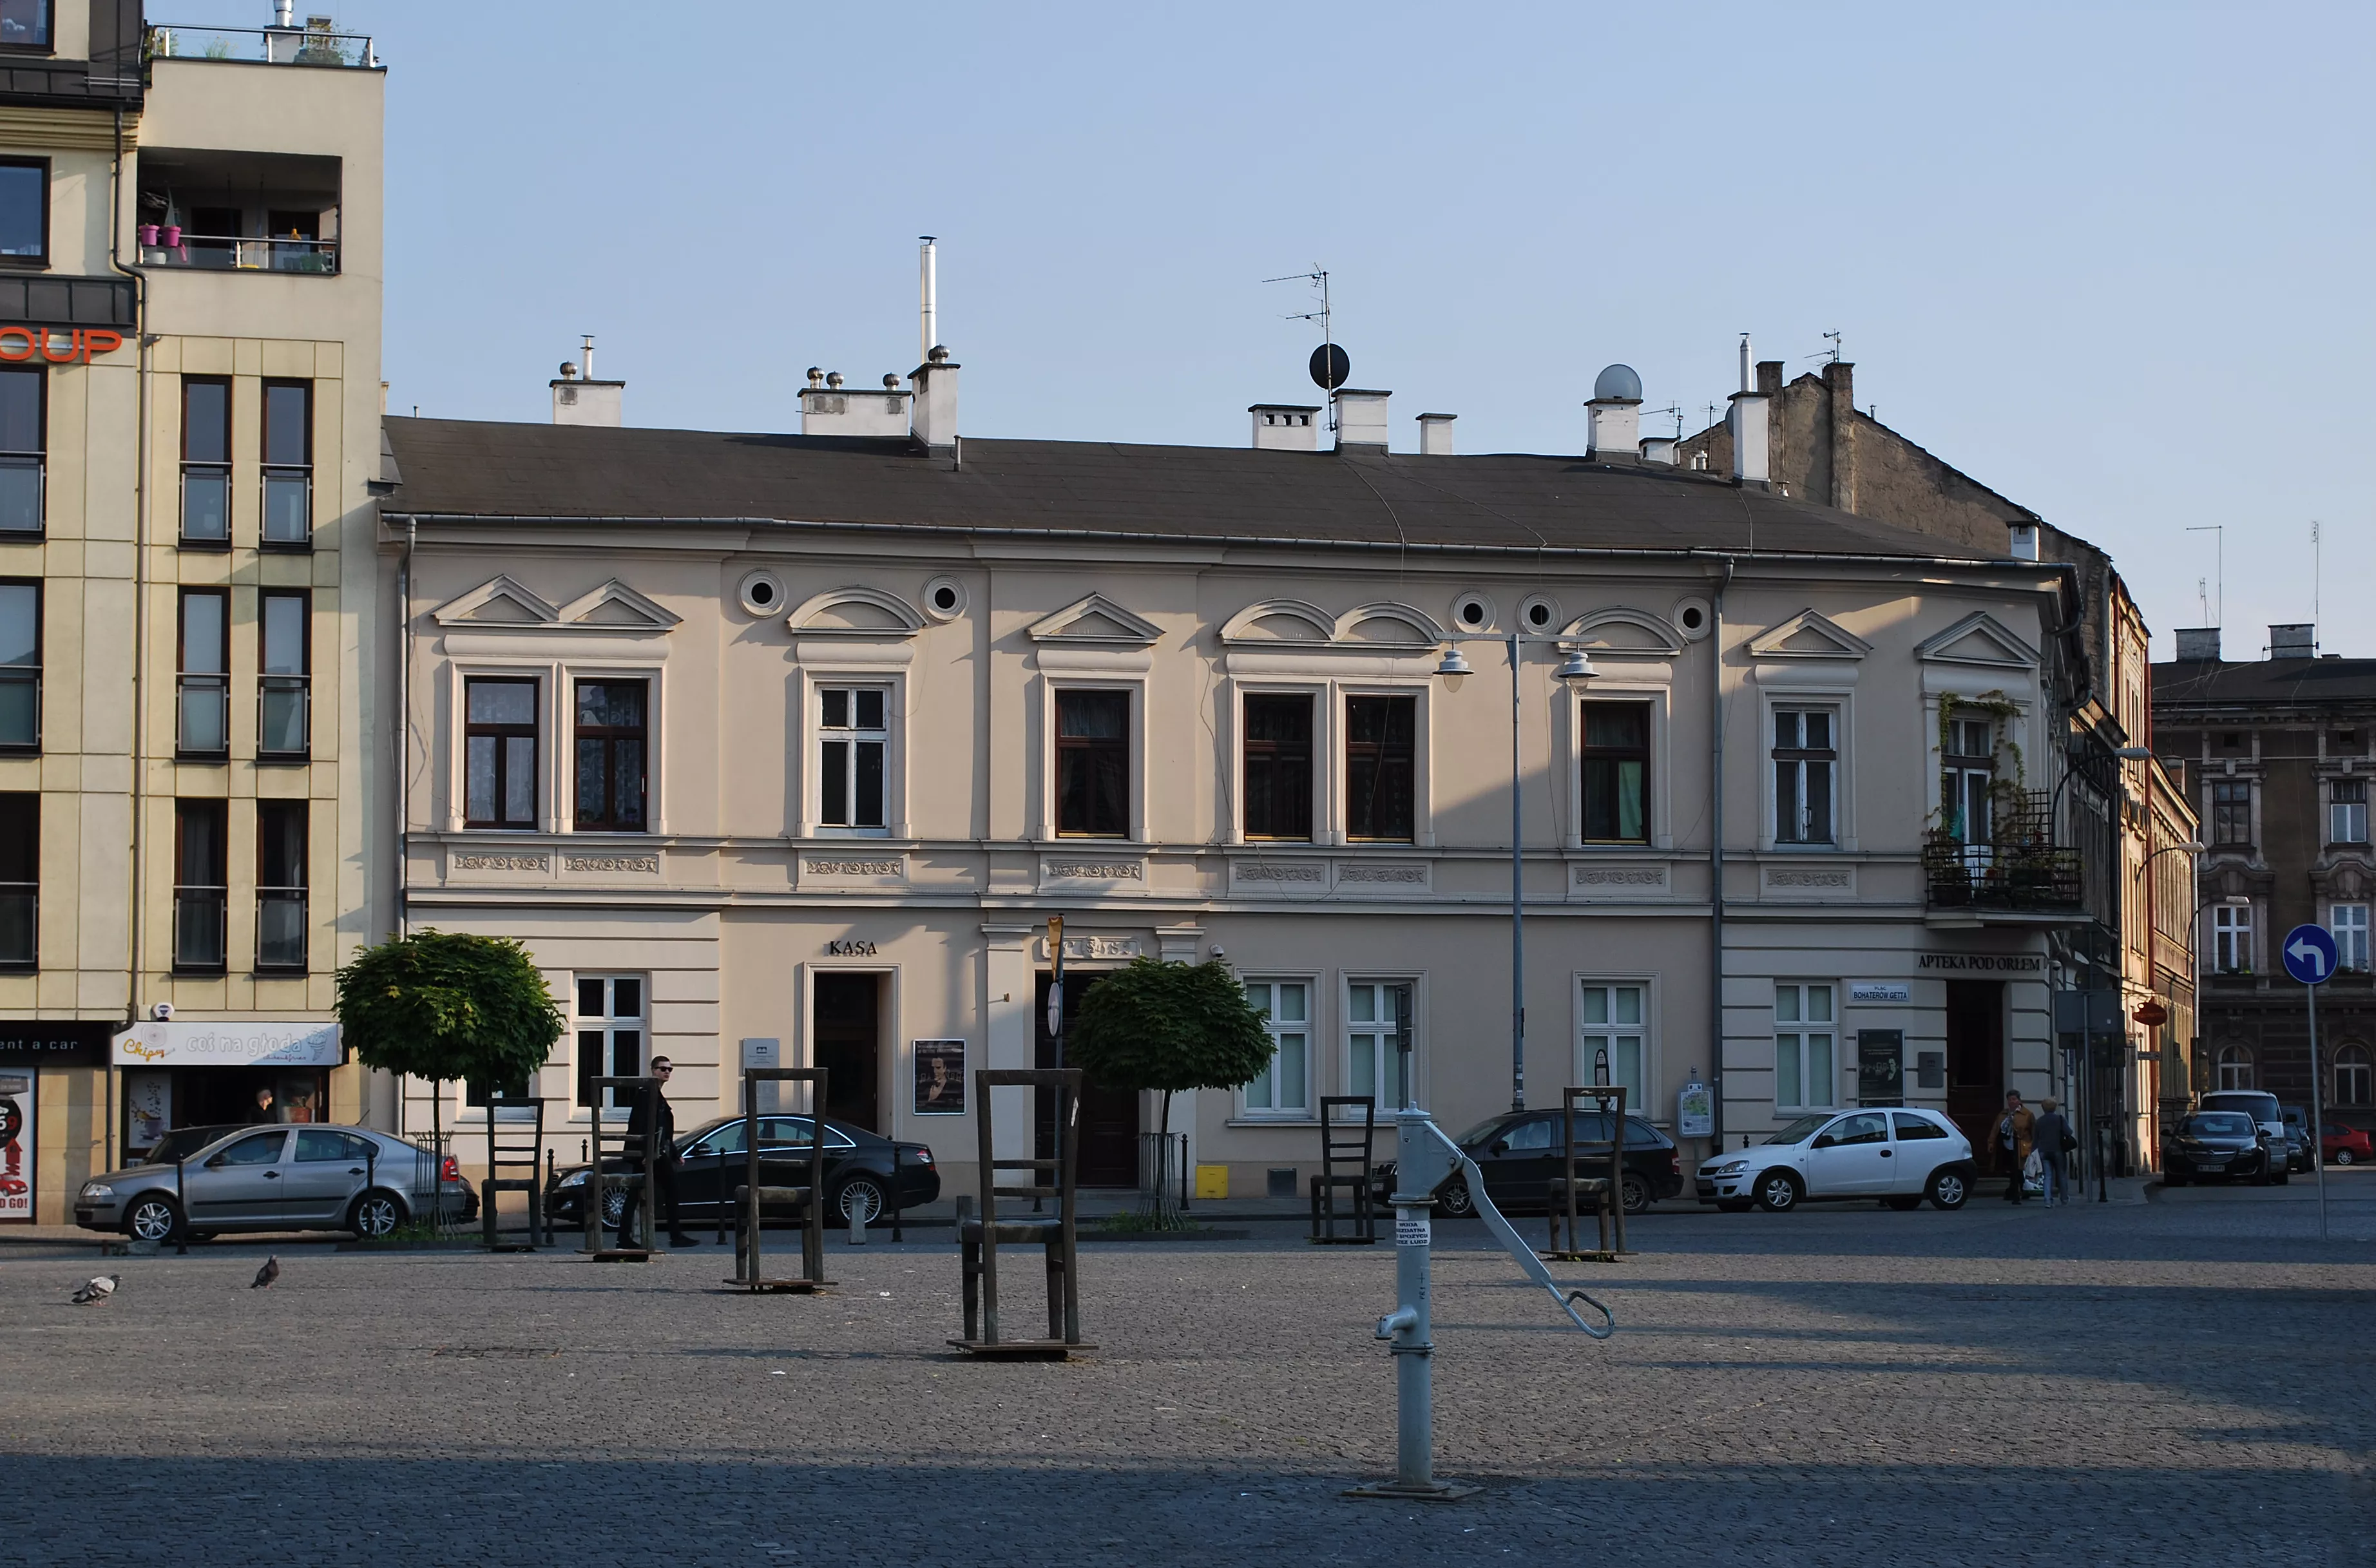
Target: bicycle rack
<point>1346,1142</point>
<point>1605,1193</point>
<point>978,1239</point>
<point>500,1157</point>
<point>639,1183</point>
<point>751,1198</point>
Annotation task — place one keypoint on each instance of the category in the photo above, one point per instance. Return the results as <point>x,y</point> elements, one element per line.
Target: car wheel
<point>2343,1157</point>
<point>1948,1189</point>
<point>1778,1192</point>
<point>375,1215</point>
<point>1733,1206</point>
<point>1637,1195</point>
<point>614,1206</point>
<point>152,1219</point>
<point>1454,1200</point>
<point>862,1198</point>
<point>1904,1201</point>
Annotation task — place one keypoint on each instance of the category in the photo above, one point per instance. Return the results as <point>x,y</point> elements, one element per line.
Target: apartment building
<point>804,737</point>
<point>189,388</point>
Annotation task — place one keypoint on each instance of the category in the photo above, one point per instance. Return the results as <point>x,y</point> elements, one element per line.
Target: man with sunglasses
<point>649,1119</point>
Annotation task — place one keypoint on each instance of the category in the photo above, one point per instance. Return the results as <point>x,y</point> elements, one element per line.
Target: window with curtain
<point>499,744</point>
<point>284,684</point>
<point>281,835</point>
<point>206,459</point>
<point>1616,788</point>
<point>1806,1043</point>
<point>1276,789</point>
<point>1093,763</point>
<point>1380,766</point>
<point>1806,772</point>
<point>21,879</point>
<point>289,463</point>
<point>203,726</point>
<point>200,888</point>
<point>1283,1087</point>
<point>1968,775</point>
<point>24,447</point>
<point>611,756</point>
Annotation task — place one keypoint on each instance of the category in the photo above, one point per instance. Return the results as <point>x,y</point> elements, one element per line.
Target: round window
<point>945,599</point>
<point>1473,611</point>
<point>762,593</point>
<point>1693,618</point>
<point>1539,613</point>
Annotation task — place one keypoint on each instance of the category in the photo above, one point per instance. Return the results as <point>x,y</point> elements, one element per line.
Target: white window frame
<point>2355,1079</point>
<point>2233,1068</point>
<point>1792,1001</point>
<point>1278,1029</point>
<point>2231,939</point>
<point>854,736</point>
<point>556,725</point>
<point>2346,821</point>
<point>1795,699</point>
<point>1591,1036</point>
<point>2348,923</point>
<point>609,1023</point>
<point>1381,1030</point>
<point>847,675</point>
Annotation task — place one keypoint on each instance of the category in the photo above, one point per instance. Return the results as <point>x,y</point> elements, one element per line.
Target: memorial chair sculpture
<point>978,1239</point>
<point>522,1150</point>
<point>752,1198</point>
<point>638,1183</point>
<point>1574,1187</point>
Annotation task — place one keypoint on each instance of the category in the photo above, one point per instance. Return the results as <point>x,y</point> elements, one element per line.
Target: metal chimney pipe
<point>284,13</point>
<point>585,356</point>
<point>929,287</point>
<point>1748,369</point>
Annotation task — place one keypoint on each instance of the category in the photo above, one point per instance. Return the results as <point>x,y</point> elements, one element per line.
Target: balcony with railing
<point>319,43</point>
<point>214,211</point>
<point>2007,864</point>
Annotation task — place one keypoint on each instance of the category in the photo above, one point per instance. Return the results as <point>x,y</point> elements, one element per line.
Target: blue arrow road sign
<point>2308,953</point>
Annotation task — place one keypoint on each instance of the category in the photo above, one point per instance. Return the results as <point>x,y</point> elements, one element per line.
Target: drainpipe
<point>403,728</point>
<point>136,920</point>
<point>1716,859</point>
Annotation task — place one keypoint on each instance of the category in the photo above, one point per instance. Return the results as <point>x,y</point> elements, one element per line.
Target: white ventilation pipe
<point>928,283</point>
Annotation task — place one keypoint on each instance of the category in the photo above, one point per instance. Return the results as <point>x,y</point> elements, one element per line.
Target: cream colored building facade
<point>1189,699</point>
<point>205,536</point>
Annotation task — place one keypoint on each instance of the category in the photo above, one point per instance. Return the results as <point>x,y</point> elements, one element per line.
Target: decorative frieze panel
<point>611,865</point>
<point>852,868</point>
<point>1619,881</point>
<point>1373,879</point>
<point>1810,881</point>
<point>1117,873</point>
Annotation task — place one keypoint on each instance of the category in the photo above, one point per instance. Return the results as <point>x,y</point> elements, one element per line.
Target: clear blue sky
<point>2111,260</point>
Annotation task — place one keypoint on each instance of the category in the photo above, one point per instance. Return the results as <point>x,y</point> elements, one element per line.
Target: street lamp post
<point>1575,670</point>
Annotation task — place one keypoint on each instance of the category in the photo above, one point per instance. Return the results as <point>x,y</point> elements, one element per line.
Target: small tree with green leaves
<point>1170,1027</point>
<point>448,1004</point>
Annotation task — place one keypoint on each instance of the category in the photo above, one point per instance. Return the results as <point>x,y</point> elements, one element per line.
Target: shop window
<point>611,756</point>
<point>2231,811</point>
<point>2231,939</point>
<point>499,744</point>
<point>203,724</point>
<point>206,460</point>
<point>612,1032</point>
<point>1093,764</point>
<point>2347,810</point>
<point>2348,923</point>
<point>200,888</point>
<point>24,182</point>
<point>20,666</point>
<point>1283,1088</point>
<point>2354,1079</point>
<point>21,879</point>
<point>1616,785</point>
<point>1276,766</point>
<point>1377,1031</point>
<point>853,756</point>
<point>2235,1067</point>
<point>280,861</point>
<point>1806,1040</point>
<point>1806,773</point>
<point>289,464</point>
<point>1610,1039</point>
<point>24,447</point>
<point>284,684</point>
<point>1381,769</point>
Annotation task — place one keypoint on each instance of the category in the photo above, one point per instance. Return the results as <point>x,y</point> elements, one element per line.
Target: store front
<point>38,1055</point>
<point>216,1073</point>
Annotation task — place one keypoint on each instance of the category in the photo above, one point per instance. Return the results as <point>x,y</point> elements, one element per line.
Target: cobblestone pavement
<point>2164,1383</point>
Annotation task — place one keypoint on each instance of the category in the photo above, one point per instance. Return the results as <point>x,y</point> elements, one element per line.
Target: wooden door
<point>1975,1089</point>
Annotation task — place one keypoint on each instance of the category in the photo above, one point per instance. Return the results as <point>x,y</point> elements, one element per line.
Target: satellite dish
<point>1330,366</point>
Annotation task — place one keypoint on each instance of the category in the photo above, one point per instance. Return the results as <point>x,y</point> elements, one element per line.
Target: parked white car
<point>1898,1156</point>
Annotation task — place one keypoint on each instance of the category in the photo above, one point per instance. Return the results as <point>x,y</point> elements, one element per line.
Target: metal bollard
<point>857,1224</point>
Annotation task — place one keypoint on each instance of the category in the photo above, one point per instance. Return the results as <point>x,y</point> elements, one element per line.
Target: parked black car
<point>2225,1144</point>
<point>712,1163</point>
<point>1519,1152</point>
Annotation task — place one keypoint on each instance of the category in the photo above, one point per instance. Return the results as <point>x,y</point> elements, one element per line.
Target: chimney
<point>578,398</point>
<point>1659,449</point>
<point>935,422</point>
<point>1769,378</point>
<point>827,410</point>
<point>1360,418</point>
<point>1616,412</point>
<point>1435,434</point>
<point>1746,423</point>
<point>2025,538</point>
<point>1285,427</point>
<point>2198,644</point>
<point>1839,379</point>
<point>2299,640</point>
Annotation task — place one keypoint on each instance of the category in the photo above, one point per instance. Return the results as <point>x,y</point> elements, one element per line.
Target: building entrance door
<point>1975,1087</point>
<point>1108,1152</point>
<point>845,1039</point>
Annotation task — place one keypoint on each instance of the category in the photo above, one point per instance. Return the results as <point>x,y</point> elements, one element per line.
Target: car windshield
<point>1483,1130</point>
<point>184,1142</point>
<point>2220,1124</point>
<point>1800,1130</point>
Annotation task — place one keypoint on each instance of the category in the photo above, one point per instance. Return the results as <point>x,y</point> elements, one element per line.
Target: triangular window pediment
<point>1978,639</point>
<point>1097,620</point>
<point>499,602</point>
<point>616,607</point>
<point>856,613</point>
<point>1808,634</point>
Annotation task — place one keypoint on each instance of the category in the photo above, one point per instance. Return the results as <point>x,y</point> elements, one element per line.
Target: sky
<point>2110,260</point>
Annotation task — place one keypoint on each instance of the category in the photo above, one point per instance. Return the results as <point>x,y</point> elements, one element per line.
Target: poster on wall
<point>147,1109</point>
<point>17,1165</point>
<point>940,1077</point>
<point>1695,1110</point>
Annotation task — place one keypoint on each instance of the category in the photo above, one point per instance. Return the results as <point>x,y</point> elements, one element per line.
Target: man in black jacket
<point>640,1126</point>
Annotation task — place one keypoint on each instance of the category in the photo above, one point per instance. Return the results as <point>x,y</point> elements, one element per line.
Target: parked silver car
<point>307,1177</point>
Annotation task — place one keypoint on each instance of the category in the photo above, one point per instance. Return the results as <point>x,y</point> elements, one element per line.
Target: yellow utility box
<point>1212,1182</point>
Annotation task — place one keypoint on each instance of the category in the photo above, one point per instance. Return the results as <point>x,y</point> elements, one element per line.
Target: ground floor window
<point>1284,1086</point>
<point>1610,1032</point>
<point>1806,1042</point>
<point>612,1032</point>
<point>2352,1076</point>
<point>2235,1067</point>
<point>1377,1035</point>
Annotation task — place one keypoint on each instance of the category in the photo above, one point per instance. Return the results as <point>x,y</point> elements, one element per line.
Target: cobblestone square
<point>2166,1383</point>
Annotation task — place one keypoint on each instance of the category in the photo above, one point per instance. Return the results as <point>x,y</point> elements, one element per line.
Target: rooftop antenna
<point>1329,359</point>
<point>2203,599</point>
<point>1674,409</point>
<point>928,285</point>
<point>1834,338</point>
<point>2219,533</point>
<point>2316,550</point>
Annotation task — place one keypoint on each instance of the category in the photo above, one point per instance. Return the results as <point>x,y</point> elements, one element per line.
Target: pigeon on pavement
<point>267,1274</point>
<point>97,1289</point>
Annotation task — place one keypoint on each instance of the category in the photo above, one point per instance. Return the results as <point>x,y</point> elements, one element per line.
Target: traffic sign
<point>2308,953</point>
